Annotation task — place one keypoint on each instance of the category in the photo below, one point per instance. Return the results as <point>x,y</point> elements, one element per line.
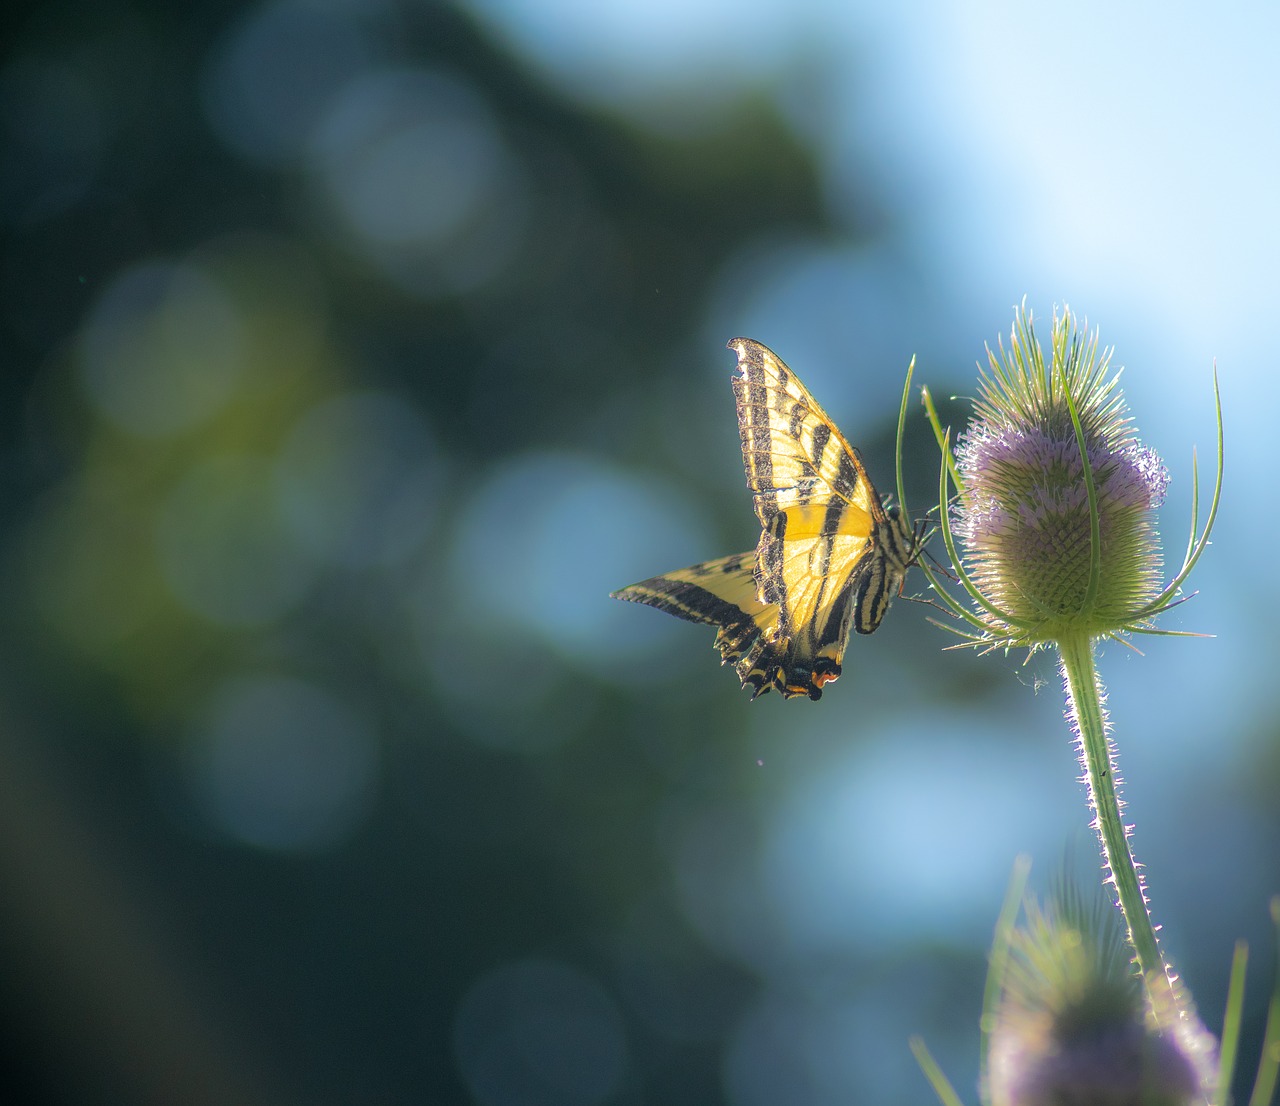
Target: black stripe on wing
<point>791,450</point>
<point>722,593</point>
<point>691,593</point>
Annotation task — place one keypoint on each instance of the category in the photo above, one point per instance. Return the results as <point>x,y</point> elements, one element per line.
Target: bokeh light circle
<point>539,1033</point>
<point>255,109</point>
<point>223,546</point>
<point>283,764</point>
<point>162,350</point>
<point>414,166</point>
<point>358,479</point>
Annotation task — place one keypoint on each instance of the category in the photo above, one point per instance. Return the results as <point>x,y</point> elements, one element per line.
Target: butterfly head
<point>902,540</point>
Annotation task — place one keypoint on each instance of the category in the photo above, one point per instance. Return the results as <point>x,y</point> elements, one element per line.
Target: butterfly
<point>831,554</point>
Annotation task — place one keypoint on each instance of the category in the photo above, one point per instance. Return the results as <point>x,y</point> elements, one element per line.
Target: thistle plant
<point>1052,536</point>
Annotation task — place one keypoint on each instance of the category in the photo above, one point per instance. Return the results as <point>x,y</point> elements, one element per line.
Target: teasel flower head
<point>1056,507</point>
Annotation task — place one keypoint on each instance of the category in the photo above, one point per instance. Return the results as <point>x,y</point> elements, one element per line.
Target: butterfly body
<point>830,557</point>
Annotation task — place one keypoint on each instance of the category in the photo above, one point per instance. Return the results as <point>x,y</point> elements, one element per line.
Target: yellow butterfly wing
<point>723,593</point>
<point>830,557</point>
<point>793,453</point>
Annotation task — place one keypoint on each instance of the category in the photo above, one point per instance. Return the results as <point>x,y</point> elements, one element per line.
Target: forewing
<point>793,454</point>
<point>819,512</point>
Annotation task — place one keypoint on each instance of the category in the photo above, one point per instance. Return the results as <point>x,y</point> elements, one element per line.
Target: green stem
<point>1085,700</point>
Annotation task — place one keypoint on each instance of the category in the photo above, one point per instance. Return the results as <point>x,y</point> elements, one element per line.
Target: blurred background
<point>354,351</point>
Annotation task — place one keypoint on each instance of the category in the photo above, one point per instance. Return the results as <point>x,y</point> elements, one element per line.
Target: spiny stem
<point>1085,699</point>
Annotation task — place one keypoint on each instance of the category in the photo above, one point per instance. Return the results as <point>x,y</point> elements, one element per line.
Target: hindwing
<point>722,593</point>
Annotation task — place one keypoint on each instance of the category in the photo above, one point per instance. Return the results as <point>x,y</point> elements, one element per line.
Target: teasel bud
<point>1074,1025</point>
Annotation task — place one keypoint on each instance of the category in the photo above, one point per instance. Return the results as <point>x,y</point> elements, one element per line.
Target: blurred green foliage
<point>172,965</point>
